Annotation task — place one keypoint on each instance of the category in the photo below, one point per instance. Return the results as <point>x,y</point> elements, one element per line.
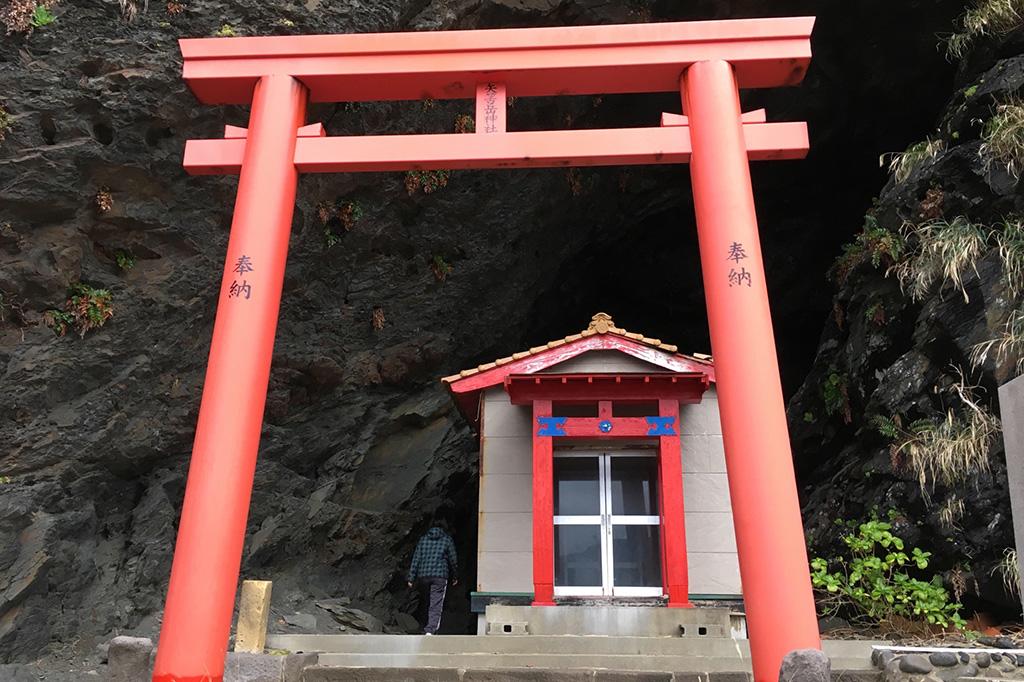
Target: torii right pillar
<point>762,484</point>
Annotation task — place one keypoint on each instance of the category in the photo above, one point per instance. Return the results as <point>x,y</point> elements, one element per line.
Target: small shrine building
<point>587,445</point>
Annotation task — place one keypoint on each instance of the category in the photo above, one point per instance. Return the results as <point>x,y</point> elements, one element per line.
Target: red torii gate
<point>706,61</point>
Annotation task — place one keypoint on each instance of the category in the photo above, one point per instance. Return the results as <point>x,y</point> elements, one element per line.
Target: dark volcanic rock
<point>916,664</point>
<point>360,445</point>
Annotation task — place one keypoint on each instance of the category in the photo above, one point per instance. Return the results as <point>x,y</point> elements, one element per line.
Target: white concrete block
<point>506,532</point>
<point>506,455</point>
<point>502,418</point>
<point>706,492</point>
<point>714,573</point>
<point>702,454</point>
<point>700,419</point>
<point>505,572</point>
<point>506,493</point>
<point>709,532</point>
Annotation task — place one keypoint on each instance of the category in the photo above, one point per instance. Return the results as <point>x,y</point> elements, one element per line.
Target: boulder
<point>805,665</point>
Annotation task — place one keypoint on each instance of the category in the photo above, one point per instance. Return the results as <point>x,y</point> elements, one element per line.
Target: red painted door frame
<point>706,61</point>
<point>672,533</point>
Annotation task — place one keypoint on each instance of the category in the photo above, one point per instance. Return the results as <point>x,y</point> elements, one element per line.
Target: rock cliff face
<point>890,360</point>
<point>361,446</point>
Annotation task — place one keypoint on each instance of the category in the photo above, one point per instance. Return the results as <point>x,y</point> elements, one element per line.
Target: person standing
<point>433,563</point>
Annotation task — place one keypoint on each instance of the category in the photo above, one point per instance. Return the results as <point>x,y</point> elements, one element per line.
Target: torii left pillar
<point>208,554</point>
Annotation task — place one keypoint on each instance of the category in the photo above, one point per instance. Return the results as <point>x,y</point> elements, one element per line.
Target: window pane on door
<point>634,486</point>
<point>577,492</point>
<point>636,554</point>
<point>578,556</point>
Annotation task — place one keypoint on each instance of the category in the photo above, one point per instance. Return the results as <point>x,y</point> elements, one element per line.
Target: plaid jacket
<point>434,556</point>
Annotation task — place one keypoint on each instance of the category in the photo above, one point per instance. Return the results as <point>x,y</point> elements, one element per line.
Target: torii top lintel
<point>576,60</point>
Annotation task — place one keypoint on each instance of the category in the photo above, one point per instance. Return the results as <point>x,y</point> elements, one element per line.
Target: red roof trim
<point>466,391</point>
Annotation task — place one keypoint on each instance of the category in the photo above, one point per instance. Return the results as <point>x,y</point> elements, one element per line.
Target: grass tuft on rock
<point>949,450</point>
<point>1009,343</point>
<point>903,164</point>
<point>1003,139</point>
<point>946,251</point>
<point>986,18</point>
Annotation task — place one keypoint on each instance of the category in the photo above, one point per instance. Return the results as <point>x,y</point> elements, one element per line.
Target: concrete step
<point>708,653</point>
<point>523,674</point>
<point>510,644</point>
<point>563,661</point>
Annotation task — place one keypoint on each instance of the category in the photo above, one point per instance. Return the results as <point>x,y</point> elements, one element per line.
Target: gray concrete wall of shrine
<point>505,544</point>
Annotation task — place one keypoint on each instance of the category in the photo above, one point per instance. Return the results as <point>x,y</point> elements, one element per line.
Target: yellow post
<point>253,616</point>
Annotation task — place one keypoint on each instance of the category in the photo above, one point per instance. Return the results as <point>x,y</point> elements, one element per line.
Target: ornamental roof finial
<point>601,323</point>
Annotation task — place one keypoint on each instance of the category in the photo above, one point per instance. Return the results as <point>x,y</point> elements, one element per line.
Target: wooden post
<point>253,616</point>
<point>543,511</point>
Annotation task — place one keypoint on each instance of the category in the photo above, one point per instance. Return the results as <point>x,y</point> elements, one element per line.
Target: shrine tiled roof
<point>601,323</point>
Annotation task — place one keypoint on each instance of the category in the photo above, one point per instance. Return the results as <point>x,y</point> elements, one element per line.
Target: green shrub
<point>85,309</point>
<point>125,259</point>
<point>42,16</point>
<point>441,268</point>
<point>874,244</point>
<point>872,582</point>
<point>836,396</point>
<point>428,181</point>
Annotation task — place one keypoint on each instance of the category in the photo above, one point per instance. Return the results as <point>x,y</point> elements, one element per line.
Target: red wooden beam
<point>535,62</point>
<point>596,427</point>
<point>523,149</point>
<point>523,389</point>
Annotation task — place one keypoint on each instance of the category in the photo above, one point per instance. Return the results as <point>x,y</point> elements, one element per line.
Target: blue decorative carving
<point>661,426</point>
<point>551,426</point>
<point>605,426</point>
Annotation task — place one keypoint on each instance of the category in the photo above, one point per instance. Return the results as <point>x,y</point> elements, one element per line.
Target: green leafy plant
<point>225,31</point>
<point>986,18</point>
<point>4,480</point>
<point>874,582</point>
<point>86,309</point>
<point>836,395</point>
<point>440,267</point>
<point>903,164</point>
<point>428,181</point>
<point>350,213</point>
<point>347,214</point>
<point>887,426</point>
<point>22,16</point>
<point>809,417</point>
<point>125,259</point>
<point>943,252</point>
<point>875,314</point>
<point>42,16</point>
<point>1003,138</point>
<point>875,244</point>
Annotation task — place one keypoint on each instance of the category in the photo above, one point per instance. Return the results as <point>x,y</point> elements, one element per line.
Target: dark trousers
<point>436,588</point>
